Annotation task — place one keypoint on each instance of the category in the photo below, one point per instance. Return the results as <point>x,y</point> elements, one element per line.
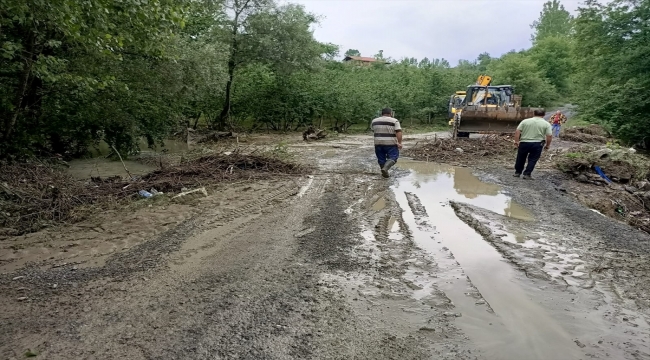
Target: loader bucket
<point>475,119</point>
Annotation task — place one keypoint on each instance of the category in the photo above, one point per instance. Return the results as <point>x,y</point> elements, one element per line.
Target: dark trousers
<point>531,151</point>
<point>385,152</point>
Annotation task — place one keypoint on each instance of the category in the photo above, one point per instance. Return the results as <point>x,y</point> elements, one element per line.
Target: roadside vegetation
<point>75,73</point>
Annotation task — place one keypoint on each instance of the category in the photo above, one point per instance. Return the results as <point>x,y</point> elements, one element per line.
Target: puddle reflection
<point>444,183</point>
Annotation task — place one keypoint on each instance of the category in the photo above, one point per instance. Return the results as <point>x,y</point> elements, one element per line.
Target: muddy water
<point>506,322</point>
<point>443,183</point>
<point>171,146</point>
<point>99,166</point>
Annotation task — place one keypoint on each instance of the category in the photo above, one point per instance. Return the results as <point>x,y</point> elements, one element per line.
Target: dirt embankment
<point>609,178</point>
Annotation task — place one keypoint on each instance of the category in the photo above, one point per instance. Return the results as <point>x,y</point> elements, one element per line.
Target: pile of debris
<point>594,134</point>
<point>599,166</point>
<point>35,195</point>
<point>468,150</point>
<point>621,176</point>
<point>313,133</point>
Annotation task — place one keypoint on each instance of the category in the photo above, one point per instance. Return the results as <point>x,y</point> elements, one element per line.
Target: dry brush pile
<point>34,195</point>
<point>591,134</point>
<point>467,151</point>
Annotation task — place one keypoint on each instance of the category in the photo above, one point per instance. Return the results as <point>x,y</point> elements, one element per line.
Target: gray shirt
<point>385,128</point>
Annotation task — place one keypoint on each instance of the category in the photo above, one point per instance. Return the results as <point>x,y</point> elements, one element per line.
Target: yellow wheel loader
<point>456,100</point>
<point>489,109</point>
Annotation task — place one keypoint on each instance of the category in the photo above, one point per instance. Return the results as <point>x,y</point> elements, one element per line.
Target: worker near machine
<point>533,136</point>
<point>388,140</point>
<point>557,120</point>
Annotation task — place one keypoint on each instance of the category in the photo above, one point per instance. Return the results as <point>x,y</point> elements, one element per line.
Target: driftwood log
<point>313,134</point>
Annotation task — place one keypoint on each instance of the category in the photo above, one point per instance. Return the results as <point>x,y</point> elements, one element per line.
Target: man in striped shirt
<point>388,140</point>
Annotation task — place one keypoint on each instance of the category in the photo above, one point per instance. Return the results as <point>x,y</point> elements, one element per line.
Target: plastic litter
<point>145,194</point>
<point>602,174</point>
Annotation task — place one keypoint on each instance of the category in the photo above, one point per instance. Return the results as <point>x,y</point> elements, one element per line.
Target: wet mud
<point>437,262</point>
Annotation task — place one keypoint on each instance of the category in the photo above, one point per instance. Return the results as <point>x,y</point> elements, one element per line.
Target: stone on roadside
<point>582,178</point>
<point>630,189</point>
<point>643,185</point>
<point>646,199</point>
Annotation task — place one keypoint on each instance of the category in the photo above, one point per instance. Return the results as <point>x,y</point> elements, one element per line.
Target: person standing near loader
<point>388,140</point>
<point>533,135</point>
<point>557,120</point>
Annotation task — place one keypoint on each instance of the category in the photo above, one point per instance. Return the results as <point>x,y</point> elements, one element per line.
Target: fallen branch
<point>123,164</point>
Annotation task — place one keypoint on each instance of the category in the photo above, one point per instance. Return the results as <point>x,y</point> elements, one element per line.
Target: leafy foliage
<point>74,73</point>
<point>613,61</point>
<point>554,20</point>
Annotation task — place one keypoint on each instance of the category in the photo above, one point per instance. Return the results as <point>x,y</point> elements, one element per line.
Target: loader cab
<point>490,96</point>
<point>455,102</point>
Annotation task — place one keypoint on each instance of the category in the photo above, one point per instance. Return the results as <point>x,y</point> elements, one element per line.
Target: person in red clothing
<point>557,120</point>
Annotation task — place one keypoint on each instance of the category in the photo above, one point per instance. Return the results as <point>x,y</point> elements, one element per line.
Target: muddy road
<point>438,262</point>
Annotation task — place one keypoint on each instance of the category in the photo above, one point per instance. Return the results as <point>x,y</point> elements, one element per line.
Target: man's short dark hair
<point>387,111</point>
<point>539,112</point>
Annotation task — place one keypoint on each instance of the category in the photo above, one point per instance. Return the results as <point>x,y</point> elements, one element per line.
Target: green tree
<point>483,61</point>
<point>554,57</point>
<point>613,58</point>
<point>352,52</point>
<point>522,73</point>
<point>42,39</point>
<point>554,20</point>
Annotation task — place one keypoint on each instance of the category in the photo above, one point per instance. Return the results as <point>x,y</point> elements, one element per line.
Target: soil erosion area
<point>438,262</point>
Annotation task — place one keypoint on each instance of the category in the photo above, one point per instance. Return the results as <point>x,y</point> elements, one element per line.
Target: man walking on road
<point>388,140</point>
<point>557,120</point>
<point>533,135</point>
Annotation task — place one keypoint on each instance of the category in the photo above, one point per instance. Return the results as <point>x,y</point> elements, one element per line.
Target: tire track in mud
<point>513,324</point>
<point>393,287</point>
<point>144,256</point>
<point>611,325</point>
<point>445,262</point>
<point>507,250</point>
<point>58,288</point>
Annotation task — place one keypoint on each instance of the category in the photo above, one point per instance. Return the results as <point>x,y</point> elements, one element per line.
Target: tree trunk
<point>232,64</point>
<point>226,105</point>
<point>10,121</point>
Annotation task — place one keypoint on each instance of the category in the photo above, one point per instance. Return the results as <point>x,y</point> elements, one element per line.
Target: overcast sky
<point>450,29</point>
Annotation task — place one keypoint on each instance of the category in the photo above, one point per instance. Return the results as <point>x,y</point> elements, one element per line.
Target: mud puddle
<point>493,305</point>
<point>100,166</point>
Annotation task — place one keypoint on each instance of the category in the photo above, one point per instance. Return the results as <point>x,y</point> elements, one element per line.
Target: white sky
<point>450,29</point>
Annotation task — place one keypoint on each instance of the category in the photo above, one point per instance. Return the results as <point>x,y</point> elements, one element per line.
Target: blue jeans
<point>556,130</point>
<point>385,152</point>
<point>531,151</point>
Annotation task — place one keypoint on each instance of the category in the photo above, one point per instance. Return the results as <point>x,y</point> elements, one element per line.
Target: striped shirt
<point>385,128</point>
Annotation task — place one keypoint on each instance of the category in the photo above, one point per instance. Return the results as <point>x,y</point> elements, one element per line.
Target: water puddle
<point>170,146</point>
<point>101,167</point>
<point>504,321</point>
<point>443,183</point>
<point>330,154</point>
<point>379,204</point>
